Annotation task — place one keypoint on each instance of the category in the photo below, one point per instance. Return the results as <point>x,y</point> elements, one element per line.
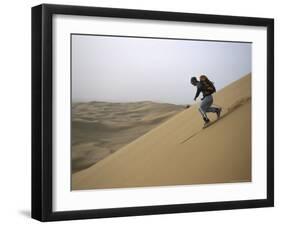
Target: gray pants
<point>206,106</point>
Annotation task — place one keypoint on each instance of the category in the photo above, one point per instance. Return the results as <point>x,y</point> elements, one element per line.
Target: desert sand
<point>180,152</point>
<point>101,128</point>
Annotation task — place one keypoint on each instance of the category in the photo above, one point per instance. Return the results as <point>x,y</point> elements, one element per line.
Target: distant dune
<point>180,152</point>
<point>101,128</point>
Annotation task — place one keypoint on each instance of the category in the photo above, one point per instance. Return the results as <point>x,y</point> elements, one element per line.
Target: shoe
<point>206,120</point>
<point>218,113</point>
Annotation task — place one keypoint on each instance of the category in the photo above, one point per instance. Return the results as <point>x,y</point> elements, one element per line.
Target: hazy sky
<point>120,69</point>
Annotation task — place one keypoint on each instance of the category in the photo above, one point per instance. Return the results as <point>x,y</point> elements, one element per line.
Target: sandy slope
<point>101,128</point>
<point>179,151</point>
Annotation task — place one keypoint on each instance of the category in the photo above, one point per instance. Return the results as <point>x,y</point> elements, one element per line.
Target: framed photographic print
<point>139,112</point>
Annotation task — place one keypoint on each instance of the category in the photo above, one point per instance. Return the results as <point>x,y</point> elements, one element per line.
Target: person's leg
<point>213,109</point>
<point>205,104</point>
<point>204,115</point>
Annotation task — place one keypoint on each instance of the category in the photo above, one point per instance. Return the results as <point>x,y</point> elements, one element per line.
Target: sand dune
<point>101,128</point>
<point>179,151</point>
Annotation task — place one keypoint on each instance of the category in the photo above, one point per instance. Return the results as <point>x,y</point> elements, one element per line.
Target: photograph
<point>154,111</point>
<point>145,112</point>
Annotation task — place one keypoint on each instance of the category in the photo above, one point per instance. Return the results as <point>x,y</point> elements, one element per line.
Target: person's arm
<point>198,92</point>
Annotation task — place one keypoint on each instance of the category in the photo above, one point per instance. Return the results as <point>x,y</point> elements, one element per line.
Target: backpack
<point>208,87</point>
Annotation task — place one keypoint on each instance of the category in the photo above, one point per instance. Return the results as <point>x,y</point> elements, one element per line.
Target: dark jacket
<point>199,90</point>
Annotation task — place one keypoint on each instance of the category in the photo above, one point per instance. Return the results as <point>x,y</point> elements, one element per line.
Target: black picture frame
<point>42,106</point>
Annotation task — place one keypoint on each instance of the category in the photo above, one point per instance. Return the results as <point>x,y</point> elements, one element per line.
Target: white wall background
<point>15,89</point>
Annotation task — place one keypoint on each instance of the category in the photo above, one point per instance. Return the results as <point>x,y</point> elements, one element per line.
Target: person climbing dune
<point>207,88</point>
